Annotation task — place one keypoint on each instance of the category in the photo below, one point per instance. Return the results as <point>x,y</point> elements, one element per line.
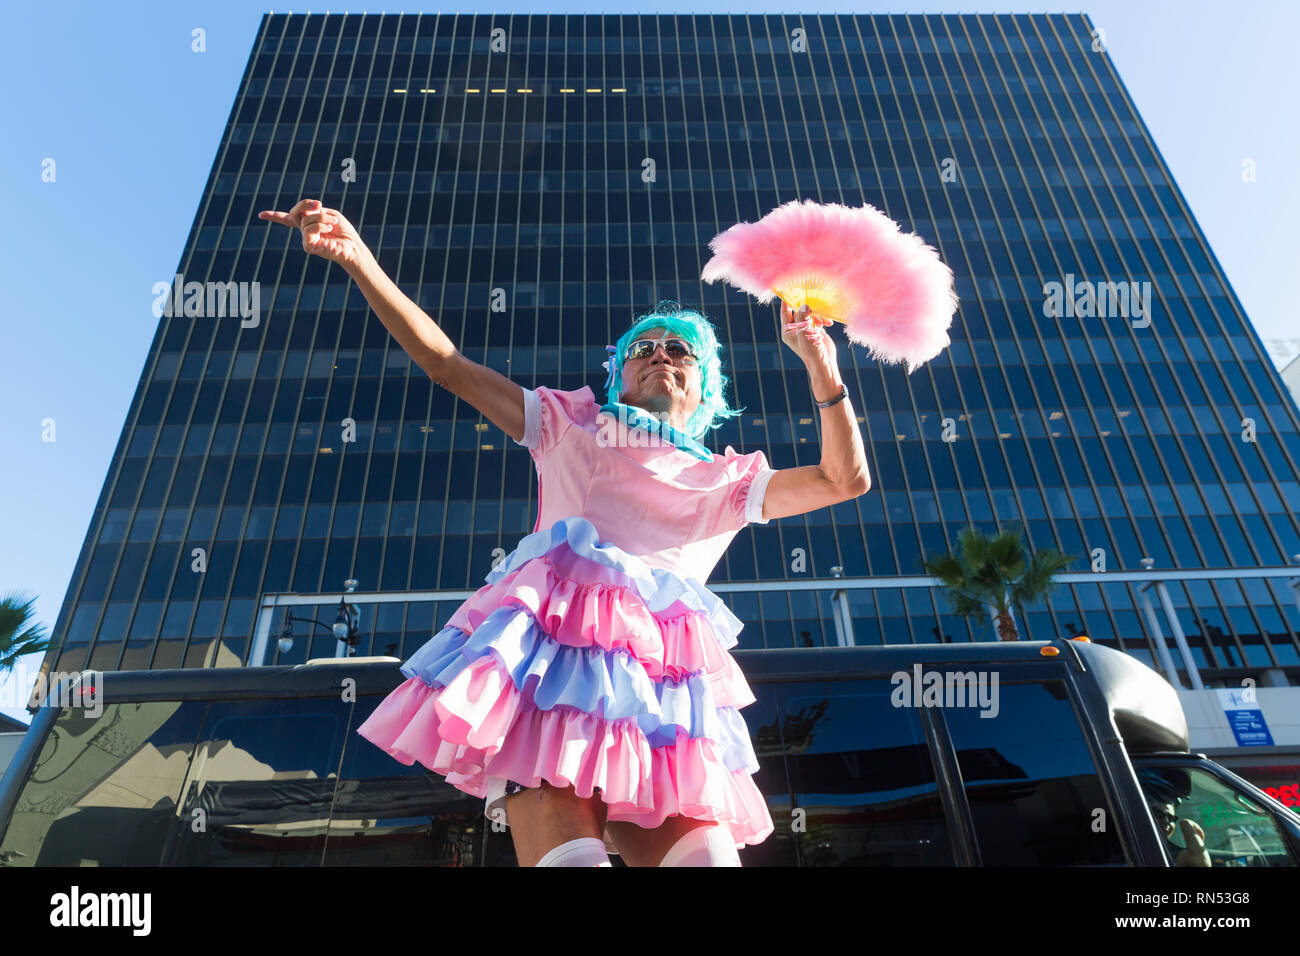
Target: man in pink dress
<point>586,691</point>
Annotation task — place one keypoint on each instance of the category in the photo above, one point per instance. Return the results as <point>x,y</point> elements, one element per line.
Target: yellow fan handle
<point>822,296</point>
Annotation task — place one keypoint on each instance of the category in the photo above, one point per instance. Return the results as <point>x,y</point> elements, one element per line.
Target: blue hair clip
<point>609,366</point>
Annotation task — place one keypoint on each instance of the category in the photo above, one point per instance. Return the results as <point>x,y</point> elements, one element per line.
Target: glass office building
<point>537,182</point>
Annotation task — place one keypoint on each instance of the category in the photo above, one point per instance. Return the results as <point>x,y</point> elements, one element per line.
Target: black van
<point>1056,753</point>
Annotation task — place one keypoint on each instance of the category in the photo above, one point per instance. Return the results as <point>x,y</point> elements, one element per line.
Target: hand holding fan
<point>890,290</point>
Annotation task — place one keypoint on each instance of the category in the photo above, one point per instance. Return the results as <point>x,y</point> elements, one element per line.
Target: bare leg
<point>542,818</point>
<point>641,846</point>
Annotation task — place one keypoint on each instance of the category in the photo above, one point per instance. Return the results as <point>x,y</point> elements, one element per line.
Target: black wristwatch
<point>844,393</point>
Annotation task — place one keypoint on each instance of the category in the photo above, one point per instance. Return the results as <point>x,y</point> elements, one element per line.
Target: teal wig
<point>694,328</point>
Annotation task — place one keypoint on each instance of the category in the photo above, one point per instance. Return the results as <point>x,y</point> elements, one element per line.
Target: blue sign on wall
<point>1249,728</point>
<point>1244,717</point>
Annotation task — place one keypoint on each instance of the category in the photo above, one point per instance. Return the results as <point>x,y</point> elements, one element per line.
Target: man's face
<point>660,382</point>
<point>1166,817</point>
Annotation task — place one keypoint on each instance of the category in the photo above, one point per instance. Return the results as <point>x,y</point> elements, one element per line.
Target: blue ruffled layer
<point>613,685</point>
<point>658,588</point>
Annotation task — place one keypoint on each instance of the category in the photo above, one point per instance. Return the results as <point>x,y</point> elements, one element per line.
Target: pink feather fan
<point>890,289</point>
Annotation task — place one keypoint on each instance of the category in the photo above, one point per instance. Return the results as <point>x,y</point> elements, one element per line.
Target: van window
<point>1235,829</point>
<point>1034,794</point>
<point>389,814</point>
<point>860,771</point>
<point>104,789</point>
<point>261,783</point>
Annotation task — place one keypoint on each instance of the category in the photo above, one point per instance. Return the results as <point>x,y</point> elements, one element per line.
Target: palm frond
<point>19,635</point>
<point>995,572</point>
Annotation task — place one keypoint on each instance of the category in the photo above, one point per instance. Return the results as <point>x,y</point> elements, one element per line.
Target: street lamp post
<point>345,626</point>
<point>840,612</point>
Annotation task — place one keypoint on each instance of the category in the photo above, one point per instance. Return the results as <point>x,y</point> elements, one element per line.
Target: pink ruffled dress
<point>594,655</point>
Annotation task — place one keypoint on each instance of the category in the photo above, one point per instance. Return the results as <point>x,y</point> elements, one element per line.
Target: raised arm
<point>843,472</point>
<point>499,399</point>
<point>326,233</point>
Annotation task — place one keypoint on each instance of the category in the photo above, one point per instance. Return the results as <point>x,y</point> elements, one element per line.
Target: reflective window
<point>1030,780</point>
<point>264,775</point>
<point>388,814</point>
<point>860,771</point>
<point>103,791</point>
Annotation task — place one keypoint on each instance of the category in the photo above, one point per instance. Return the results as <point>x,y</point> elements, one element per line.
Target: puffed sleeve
<point>750,475</point>
<point>549,413</point>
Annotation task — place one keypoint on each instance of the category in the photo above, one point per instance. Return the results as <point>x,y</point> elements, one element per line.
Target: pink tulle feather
<point>898,292</point>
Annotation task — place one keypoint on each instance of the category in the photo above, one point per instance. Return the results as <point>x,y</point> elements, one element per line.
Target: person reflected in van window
<point>1165,790</point>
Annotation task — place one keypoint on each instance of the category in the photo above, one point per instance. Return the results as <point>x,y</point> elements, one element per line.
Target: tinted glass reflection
<point>263,778</point>
<point>104,789</point>
<point>861,773</point>
<point>1031,782</point>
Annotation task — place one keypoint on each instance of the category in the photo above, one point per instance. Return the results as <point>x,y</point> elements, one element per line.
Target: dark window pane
<point>264,778</point>
<point>412,816</point>
<point>1030,781</point>
<point>860,769</point>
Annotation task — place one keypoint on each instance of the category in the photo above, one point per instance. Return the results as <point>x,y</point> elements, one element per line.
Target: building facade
<point>535,183</point>
<point>1291,377</point>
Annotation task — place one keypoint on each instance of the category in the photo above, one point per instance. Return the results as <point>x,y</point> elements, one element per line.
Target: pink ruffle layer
<point>672,644</point>
<point>480,724</point>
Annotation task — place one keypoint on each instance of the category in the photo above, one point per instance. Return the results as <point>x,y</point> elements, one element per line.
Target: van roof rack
<point>353,660</point>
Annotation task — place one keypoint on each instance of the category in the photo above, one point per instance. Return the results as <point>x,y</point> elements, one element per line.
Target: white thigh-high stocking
<point>584,851</point>
<point>703,846</point>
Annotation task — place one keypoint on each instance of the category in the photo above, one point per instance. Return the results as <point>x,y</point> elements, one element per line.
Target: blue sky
<point>133,120</point>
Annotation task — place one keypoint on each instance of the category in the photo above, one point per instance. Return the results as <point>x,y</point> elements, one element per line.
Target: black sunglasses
<point>644,348</point>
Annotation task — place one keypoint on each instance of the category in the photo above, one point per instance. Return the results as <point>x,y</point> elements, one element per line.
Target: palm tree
<point>996,572</point>
<point>19,636</point>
